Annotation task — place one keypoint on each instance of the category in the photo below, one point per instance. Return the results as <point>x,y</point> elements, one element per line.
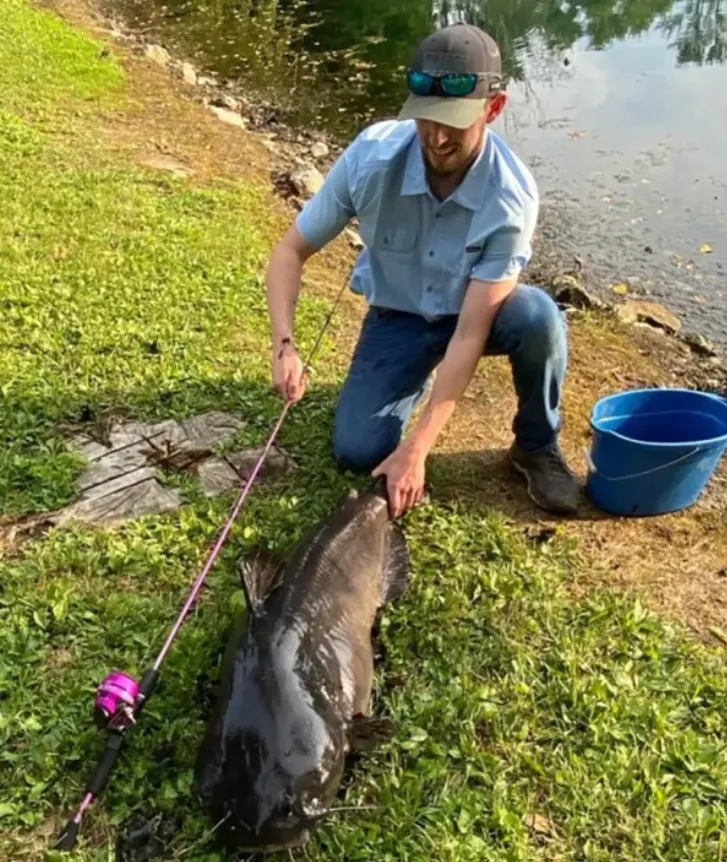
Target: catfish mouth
<point>276,837</point>
<point>281,832</point>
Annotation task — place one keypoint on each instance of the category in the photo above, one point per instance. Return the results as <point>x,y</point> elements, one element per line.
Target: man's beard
<point>441,172</point>
<point>455,168</point>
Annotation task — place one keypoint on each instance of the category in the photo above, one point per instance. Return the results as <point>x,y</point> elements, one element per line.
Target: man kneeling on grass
<point>447,214</point>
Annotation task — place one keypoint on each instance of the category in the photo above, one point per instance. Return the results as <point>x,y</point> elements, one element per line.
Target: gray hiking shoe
<point>551,484</point>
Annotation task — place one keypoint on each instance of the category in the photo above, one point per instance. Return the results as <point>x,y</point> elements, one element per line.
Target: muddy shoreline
<point>302,157</point>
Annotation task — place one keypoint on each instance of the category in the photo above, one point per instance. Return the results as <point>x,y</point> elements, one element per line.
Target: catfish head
<point>275,782</point>
<point>281,773</point>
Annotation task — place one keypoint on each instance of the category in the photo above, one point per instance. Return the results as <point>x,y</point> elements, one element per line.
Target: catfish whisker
<point>354,808</point>
<point>205,837</point>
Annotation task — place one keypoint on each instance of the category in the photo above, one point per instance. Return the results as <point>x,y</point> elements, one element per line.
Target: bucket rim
<point>702,444</point>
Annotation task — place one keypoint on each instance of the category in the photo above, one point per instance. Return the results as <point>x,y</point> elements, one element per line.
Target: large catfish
<point>296,679</point>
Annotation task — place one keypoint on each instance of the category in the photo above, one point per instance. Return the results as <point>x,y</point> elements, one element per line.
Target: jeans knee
<point>541,324</point>
<point>361,449</point>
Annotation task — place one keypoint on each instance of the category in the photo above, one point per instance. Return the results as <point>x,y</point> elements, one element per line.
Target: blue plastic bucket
<point>654,450</point>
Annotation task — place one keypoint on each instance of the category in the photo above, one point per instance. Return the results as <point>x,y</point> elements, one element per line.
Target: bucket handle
<point>593,469</point>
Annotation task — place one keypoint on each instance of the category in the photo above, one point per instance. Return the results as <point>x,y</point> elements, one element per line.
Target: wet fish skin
<point>296,678</point>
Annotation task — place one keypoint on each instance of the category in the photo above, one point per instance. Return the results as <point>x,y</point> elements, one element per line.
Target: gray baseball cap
<point>458,48</point>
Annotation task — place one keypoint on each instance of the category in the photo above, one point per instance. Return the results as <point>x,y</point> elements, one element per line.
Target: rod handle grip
<point>114,741</point>
<point>69,837</point>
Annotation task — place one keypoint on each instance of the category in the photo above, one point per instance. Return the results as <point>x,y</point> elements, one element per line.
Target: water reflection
<point>697,30</point>
<point>340,63</point>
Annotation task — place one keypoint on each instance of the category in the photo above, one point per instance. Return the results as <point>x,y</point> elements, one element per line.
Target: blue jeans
<point>397,352</point>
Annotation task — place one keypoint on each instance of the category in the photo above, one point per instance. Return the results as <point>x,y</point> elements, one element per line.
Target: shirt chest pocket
<point>396,237</point>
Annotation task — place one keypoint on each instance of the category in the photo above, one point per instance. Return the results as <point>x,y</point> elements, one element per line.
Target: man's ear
<point>495,106</point>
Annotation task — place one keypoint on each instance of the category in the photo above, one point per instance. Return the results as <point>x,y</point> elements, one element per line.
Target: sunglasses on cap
<point>456,84</point>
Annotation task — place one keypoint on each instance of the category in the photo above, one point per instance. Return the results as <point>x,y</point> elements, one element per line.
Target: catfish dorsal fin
<point>395,577</point>
<point>260,574</point>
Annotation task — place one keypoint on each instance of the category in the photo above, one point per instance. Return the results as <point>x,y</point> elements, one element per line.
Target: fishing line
<point>120,698</point>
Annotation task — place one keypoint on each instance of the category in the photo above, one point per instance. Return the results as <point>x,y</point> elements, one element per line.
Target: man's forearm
<point>283,287</point>
<point>460,361</point>
<point>453,377</point>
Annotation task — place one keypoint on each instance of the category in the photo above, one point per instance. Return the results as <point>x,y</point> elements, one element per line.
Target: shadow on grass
<point>485,478</point>
<point>38,472</point>
<point>41,474</point>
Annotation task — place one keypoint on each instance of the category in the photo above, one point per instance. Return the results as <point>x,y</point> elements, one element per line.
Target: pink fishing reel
<point>115,700</point>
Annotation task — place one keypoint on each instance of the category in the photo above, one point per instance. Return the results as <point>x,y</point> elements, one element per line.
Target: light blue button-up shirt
<point>420,252</point>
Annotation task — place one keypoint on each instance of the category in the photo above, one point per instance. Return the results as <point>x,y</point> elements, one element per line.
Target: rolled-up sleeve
<point>508,250</point>
<point>328,212</point>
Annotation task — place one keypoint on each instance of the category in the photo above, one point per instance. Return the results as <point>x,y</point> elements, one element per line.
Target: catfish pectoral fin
<point>260,574</point>
<point>379,486</point>
<point>395,578</point>
<point>368,732</point>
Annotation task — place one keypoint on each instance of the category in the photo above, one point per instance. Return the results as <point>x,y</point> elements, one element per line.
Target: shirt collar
<point>468,193</point>
<point>415,178</point>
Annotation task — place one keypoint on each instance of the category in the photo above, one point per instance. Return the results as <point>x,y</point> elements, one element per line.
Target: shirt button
<point>431,254</point>
<point>429,288</point>
<point>438,215</point>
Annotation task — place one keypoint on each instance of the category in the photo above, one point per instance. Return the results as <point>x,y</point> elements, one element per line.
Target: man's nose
<point>440,136</point>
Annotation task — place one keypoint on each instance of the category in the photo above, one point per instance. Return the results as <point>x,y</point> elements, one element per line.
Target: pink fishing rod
<point>221,539</point>
<point>120,698</point>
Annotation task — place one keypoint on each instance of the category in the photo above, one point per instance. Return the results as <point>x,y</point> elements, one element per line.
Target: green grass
<point>512,698</point>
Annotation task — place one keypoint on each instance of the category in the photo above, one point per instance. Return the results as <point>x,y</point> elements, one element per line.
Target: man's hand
<point>405,474</point>
<point>404,468</point>
<point>288,373</point>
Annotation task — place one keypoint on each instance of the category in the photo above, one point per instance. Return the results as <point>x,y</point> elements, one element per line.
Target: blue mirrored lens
<point>420,83</point>
<point>459,85</point>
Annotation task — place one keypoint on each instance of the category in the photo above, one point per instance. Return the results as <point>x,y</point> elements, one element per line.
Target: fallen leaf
<point>699,298</point>
<point>540,534</point>
<point>162,162</point>
<point>621,289</point>
<point>538,823</point>
<point>464,821</point>
<point>705,248</point>
<point>577,135</point>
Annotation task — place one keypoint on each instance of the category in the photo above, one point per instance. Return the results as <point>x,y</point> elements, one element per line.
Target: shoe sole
<point>523,472</point>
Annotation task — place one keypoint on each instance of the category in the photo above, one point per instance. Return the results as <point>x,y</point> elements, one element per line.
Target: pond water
<point>618,106</point>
